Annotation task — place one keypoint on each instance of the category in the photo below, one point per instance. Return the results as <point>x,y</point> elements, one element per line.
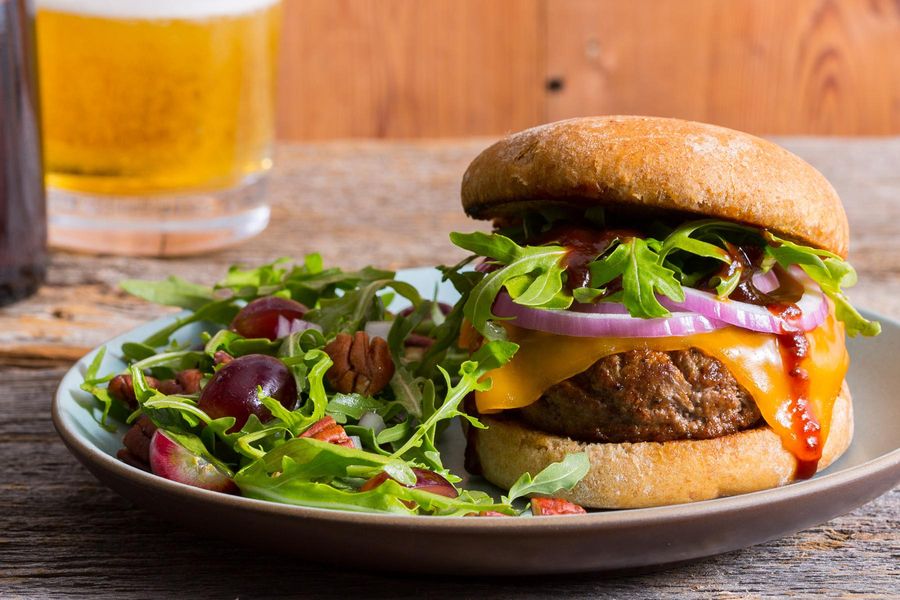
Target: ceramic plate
<point>595,541</point>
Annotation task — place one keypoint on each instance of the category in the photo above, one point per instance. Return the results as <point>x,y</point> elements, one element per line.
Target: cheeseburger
<point>676,293</point>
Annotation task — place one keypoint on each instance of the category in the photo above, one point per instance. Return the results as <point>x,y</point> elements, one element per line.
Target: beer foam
<point>155,9</point>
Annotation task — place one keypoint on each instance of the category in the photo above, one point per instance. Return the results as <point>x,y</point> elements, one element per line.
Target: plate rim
<point>87,452</point>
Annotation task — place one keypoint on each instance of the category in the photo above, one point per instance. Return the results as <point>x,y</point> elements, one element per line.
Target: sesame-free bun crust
<point>652,473</point>
<point>641,163</point>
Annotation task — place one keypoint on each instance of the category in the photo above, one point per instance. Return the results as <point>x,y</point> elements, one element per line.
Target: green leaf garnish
<point>532,275</point>
<point>173,291</point>
<point>831,273</point>
<point>646,269</point>
<point>643,277</point>
<point>563,475</point>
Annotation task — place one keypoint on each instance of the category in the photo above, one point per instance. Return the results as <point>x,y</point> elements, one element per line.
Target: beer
<point>150,96</point>
<point>23,233</point>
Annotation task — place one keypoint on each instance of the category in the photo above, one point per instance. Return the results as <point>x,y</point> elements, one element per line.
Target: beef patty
<point>646,396</point>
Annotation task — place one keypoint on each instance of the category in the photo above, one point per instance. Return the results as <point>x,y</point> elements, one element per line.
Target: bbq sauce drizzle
<point>794,346</point>
<point>584,245</point>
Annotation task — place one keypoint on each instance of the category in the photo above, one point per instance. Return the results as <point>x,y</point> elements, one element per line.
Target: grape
<point>232,390</point>
<point>170,460</point>
<point>259,319</point>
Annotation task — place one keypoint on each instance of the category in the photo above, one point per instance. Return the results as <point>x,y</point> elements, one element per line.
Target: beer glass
<point>158,120</point>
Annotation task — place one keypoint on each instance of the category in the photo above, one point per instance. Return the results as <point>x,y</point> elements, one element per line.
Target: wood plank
<point>396,68</point>
<point>764,66</point>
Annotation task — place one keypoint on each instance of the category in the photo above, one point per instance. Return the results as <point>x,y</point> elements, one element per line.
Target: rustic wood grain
<point>438,68</point>
<point>765,66</point>
<point>64,535</point>
<point>395,68</point>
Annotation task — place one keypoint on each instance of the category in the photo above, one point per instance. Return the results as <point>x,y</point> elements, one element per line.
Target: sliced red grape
<point>232,391</point>
<point>260,318</point>
<point>173,461</point>
<point>427,481</point>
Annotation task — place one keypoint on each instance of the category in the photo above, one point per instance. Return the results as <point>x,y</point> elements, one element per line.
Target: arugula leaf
<point>306,472</point>
<point>532,275</point>
<point>354,406</point>
<point>554,477</point>
<point>221,312</point>
<point>177,361</point>
<point>831,273</point>
<point>642,278</point>
<point>237,345</point>
<point>408,389</point>
<point>261,281</point>
<point>350,312</point>
<point>446,334</point>
<point>309,286</point>
<point>91,384</point>
<point>135,351</point>
<point>291,487</point>
<point>173,291</point>
<point>491,356</point>
<point>646,269</point>
<point>689,237</point>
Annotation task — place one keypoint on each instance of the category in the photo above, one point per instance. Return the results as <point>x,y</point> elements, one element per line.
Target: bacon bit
<point>326,430</point>
<point>486,513</point>
<point>222,358</point>
<point>374,482</point>
<point>554,506</point>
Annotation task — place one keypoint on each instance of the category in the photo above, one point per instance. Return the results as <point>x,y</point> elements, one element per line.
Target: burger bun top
<point>646,165</point>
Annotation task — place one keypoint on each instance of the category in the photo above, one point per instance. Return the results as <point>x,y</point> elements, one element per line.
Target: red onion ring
<point>486,266</point>
<point>766,282</point>
<point>813,307</point>
<point>580,324</point>
<point>288,326</point>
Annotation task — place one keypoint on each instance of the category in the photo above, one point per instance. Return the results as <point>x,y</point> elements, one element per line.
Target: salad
<point>305,387</point>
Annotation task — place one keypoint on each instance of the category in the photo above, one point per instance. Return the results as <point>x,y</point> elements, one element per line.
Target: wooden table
<point>61,533</point>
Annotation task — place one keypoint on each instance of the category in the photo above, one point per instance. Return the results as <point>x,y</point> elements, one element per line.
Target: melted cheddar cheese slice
<point>754,359</point>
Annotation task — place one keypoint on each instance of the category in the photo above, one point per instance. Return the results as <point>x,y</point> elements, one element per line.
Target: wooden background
<point>439,68</point>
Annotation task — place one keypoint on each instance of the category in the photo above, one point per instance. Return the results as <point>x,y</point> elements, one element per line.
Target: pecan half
<point>189,380</point>
<point>360,365</point>
<point>222,358</point>
<point>137,444</point>
<point>121,388</point>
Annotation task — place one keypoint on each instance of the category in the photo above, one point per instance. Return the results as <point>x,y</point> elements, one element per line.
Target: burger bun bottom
<point>644,474</point>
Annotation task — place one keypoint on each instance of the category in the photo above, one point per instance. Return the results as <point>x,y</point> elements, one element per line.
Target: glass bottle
<point>23,221</point>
